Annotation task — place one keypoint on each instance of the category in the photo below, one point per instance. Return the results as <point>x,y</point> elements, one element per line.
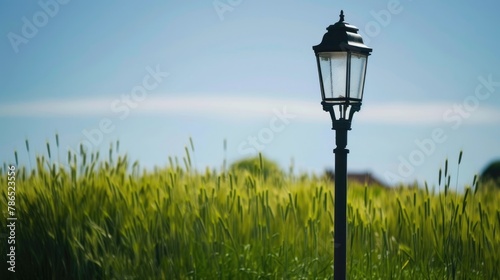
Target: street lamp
<point>342,59</point>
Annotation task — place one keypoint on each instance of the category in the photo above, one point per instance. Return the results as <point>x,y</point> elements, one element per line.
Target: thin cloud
<point>55,108</point>
<point>238,108</point>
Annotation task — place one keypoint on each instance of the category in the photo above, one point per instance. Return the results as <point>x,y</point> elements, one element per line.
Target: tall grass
<point>91,218</point>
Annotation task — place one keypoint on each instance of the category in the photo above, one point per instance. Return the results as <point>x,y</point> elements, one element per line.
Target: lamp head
<point>342,58</point>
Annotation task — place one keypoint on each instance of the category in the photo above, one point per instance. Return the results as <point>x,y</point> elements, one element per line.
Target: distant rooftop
<point>363,178</point>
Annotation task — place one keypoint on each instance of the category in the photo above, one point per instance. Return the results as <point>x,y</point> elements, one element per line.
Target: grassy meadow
<point>88,216</point>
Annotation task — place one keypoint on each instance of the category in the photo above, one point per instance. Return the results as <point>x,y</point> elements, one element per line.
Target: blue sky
<point>151,74</point>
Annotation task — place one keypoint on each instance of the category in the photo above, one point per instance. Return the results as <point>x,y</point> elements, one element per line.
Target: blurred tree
<point>257,164</point>
<point>492,173</point>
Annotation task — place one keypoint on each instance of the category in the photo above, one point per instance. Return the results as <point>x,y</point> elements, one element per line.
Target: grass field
<point>106,218</point>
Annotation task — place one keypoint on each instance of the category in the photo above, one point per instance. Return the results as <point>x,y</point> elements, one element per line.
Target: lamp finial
<point>341,16</point>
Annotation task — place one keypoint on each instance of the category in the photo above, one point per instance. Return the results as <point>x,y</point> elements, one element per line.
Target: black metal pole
<point>340,223</point>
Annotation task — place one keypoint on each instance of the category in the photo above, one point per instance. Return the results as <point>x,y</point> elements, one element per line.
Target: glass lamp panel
<point>333,73</point>
<point>358,69</point>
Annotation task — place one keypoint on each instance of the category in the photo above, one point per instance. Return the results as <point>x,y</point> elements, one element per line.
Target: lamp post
<point>341,57</point>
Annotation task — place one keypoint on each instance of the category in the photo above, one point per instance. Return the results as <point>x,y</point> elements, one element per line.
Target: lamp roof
<point>342,36</point>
